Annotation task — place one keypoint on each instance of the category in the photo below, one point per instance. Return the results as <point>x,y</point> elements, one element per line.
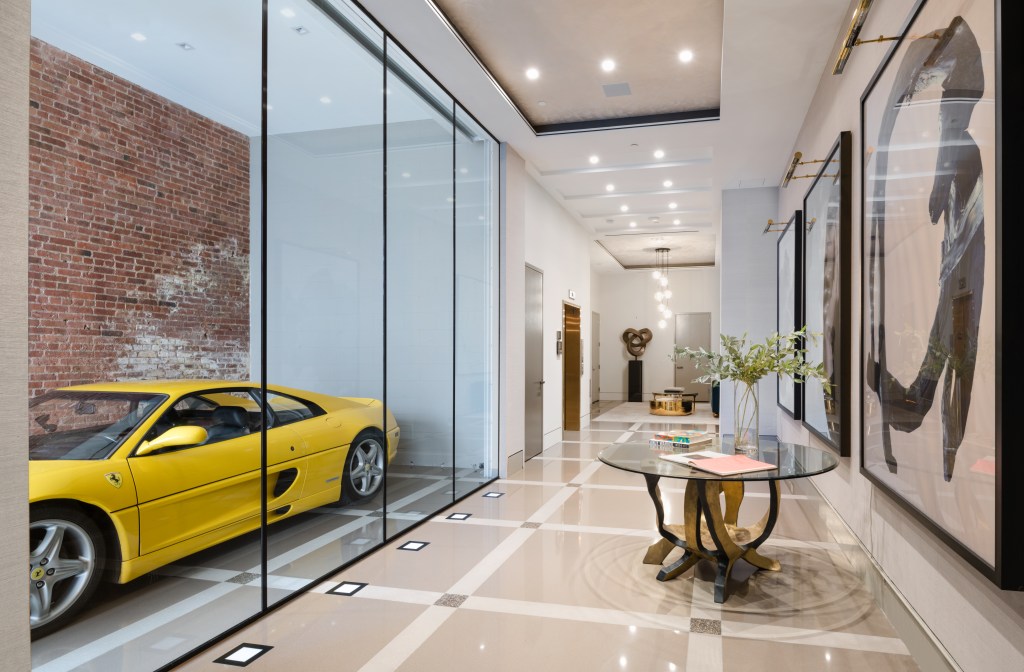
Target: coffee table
<point>708,533</point>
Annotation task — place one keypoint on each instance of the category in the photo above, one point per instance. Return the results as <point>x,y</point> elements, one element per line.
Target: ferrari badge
<point>114,478</point>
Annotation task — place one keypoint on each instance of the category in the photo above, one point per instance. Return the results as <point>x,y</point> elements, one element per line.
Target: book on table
<point>719,463</point>
<point>689,436</point>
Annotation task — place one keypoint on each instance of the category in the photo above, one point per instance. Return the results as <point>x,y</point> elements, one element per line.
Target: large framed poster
<point>790,301</point>
<point>936,375</point>
<point>827,242</point>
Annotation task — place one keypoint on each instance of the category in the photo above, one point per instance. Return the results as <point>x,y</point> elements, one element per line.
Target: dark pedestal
<point>636,380</point>
<point>715,399</point>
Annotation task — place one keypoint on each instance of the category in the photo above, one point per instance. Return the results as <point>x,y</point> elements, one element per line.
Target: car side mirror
<point>175,437</point>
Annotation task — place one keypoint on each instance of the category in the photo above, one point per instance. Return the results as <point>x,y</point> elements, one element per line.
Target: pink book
<point>729,465</point>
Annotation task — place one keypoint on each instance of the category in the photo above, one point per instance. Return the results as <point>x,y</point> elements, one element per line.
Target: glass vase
<point>746,406</point>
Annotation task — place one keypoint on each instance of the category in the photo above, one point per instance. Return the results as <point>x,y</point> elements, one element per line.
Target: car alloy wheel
<point>364,468</point>
<point>64,566</point>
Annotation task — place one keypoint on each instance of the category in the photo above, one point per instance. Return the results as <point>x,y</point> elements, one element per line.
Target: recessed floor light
<point>667,183</point>
<point>609,187</point>
<point>347,588</point>
<point>607,65</point>
<point>532,73</point>
<point>685,55</point>
<point>414,545</point>
<point>243,654</point>
<point>458,516</point>
<point>623,208</point>
<point>493,495</point>
<point>594,158</point>
<point>288,13</point>
<point>138,37</point>
<point>659,154</point>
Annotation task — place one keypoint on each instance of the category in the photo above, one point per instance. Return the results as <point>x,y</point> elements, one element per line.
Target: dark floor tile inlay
<point>706,626</point>
<point>530,525</point>
<point>244,578</point>
<point>453,600</point>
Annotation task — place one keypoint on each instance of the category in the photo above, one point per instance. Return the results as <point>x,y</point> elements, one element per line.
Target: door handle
<point>541,382</point>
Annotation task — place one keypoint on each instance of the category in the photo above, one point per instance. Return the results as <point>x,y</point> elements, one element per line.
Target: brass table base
<point>708,534</point>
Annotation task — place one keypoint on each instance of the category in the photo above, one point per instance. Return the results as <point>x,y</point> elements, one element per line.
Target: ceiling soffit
<point>687,249</point>
<point>567,41</point>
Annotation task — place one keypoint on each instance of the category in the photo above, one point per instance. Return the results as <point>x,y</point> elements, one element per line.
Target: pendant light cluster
<point>663,293</point>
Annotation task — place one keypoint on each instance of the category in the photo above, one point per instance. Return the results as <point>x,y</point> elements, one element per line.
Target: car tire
<point>66,563</point>
<point>365,468</point>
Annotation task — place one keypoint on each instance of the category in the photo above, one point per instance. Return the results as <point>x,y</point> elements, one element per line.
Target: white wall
<point>981,626</point>
<point>626,300</point>
<point>557,245</point>
<point>749,286</point>
<point>14,67</point>
<point>513,299</point>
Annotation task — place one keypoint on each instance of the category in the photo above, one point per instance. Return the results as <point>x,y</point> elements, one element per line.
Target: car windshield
<point>67,425</point>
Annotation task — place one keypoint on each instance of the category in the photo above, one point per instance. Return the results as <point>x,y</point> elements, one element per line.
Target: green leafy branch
<point>780,354</point>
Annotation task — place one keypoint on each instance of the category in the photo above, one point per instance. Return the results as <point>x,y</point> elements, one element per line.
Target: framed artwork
<point>790,301</point>
<point>826,312</point>
<point>935,376</point>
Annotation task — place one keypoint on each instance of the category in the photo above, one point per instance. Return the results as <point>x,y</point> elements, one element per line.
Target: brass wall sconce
<point>851,40</point>
<point>792,168</point>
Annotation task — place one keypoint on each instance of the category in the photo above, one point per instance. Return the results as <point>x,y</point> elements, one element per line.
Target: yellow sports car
<point>127,477</point>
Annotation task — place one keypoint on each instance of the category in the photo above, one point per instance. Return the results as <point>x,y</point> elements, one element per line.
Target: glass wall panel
<point>325,290</point>
<point>420,290</point>
<point>143,116</point>
<point>476,268</point>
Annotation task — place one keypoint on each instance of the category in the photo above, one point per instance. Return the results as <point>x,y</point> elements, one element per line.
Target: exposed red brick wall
<point>138,233</point>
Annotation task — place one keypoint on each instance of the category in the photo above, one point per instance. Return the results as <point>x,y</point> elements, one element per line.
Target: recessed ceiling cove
<point>576,65</point>
<point>687,249</point>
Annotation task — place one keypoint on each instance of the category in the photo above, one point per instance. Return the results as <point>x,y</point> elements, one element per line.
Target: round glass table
<point>707,532</point>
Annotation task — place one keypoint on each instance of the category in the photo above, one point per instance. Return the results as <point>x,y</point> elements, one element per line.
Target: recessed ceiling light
<point>607,65</point>
<point>594,158</point>
<point>325,100</point>
<point>632,225</point>
<point>449,199</point>
<point>676,222</point>
<point>288,13</point>
<point>185,46</point>
<point>138,37</point>
<point>623,208</point>
<point>406,175</point>
<point>685,55</point>
<point>609,187</point>
<point>672,206</point>
<point>301,30</point>
<point>463,170</point>
<point>541,103</point>
<point>667,183</point>
<point>270,107</point>
<point>659,154</point>
<point>532,73</point>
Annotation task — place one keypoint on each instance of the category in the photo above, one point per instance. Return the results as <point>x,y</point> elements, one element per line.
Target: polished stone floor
<point>542,571</point>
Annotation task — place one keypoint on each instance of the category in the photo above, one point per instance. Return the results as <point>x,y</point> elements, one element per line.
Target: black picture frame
<point>828,238</point>
<point>894,433</point>
<point>789,275</point>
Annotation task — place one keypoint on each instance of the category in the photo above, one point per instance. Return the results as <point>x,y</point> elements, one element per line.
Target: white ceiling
<point>773,55</point>
<point>567,40</point>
